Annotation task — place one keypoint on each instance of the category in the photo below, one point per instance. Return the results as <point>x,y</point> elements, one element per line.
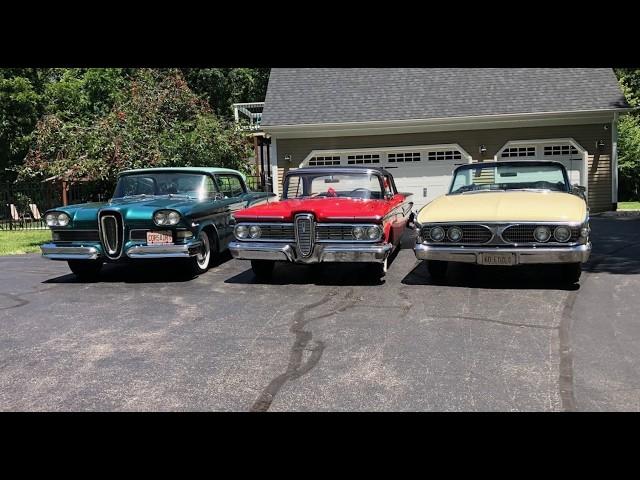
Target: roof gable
<point>298,96</point>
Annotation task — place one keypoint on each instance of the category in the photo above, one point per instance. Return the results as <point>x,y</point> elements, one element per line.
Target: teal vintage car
<point>154,213</point>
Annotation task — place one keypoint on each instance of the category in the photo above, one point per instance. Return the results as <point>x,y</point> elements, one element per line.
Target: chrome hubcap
<point>205,251</point>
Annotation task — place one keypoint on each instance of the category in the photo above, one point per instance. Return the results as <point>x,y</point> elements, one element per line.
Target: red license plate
<point>154,238</point>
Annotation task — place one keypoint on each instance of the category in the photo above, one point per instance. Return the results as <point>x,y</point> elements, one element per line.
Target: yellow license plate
<point>498,259</point>
<point>155,238</point>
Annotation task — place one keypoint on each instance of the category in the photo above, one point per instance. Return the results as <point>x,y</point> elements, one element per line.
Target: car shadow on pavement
<point>529,277</point>
<point>325,274</point>
<point>143,271</point>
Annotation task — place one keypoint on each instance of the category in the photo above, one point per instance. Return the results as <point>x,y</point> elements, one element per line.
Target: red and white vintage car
<point>332,214</point>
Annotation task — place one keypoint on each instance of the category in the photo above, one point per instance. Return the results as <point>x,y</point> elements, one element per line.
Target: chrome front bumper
<point>57,252</point>
<point>66,252</point>
<point>523,256</point>
<point>164,251</point>
<point>322,252</point>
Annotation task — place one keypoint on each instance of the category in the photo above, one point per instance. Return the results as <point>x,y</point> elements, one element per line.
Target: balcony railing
<point>248,115</point>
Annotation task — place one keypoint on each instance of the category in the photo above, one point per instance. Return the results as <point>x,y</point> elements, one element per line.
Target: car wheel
<point>200,263</point>
<point>262,269</point>
<point>437,269</point>
<point>85,269</point>
<point>571,273</point>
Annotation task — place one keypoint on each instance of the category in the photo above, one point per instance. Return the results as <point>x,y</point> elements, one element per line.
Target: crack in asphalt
<point>567,393</point>
<point>21,302</point>
<point>297,366</point>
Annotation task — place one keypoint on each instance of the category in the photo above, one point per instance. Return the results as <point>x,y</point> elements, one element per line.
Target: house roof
<point>309,96</point>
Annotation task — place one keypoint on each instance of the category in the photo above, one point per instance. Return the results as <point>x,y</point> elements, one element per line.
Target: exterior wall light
<point>287,158</point>
<point>483,149</point>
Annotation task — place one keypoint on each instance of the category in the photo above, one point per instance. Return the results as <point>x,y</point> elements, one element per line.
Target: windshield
<point>496,176</point>
<point>353,185</point>
<point>167,183</point>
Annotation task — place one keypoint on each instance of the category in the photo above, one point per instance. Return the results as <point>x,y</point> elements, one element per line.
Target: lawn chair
<point>35,213</point>
<point>15,216</point>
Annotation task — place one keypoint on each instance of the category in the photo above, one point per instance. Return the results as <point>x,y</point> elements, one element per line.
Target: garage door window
<point>518,152</point>
<point>559,150</point>
<point>403,157</point>
<point>444,155</point>
<point>364,159</point>
<point>324,161</point>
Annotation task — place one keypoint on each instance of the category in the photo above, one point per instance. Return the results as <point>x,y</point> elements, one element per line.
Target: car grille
<point>111,231</point>
<point>76,236</point>
<point>304,234</point>
<point>524,234</point>
<point>277,232</point>
<point>334,232</point>
<point>471,234</point>
<point>138,235</point>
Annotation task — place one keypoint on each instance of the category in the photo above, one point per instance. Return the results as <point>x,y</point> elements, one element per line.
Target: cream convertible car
<point>506,213</point>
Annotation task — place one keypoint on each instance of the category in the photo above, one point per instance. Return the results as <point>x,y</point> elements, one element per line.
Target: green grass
<point>628,205</point>
<point>22,241</point>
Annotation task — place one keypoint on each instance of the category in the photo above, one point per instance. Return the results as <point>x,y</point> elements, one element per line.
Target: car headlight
<point>584,232</point>
<point>255,231</point>
<point>562,234</point>
<point>437,234</point>
<point>454,234</point>
<point>358,233</point>
<point>241,232</point>
<point>166,217</point>
<point>542,234</point>
<point>57,219</point>
<point>373,233</point>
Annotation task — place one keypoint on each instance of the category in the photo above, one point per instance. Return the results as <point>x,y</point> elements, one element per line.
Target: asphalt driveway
<point>325,339</point>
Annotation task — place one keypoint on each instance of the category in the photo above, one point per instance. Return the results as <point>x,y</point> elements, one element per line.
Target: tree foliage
<point>97,122</point>
<point>629,137</point>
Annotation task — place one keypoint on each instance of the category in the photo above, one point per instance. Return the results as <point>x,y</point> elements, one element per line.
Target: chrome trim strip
<point>262,251</point>
<point>532,255</point>
<point>322,253</point>
<point>163,251</point>
<point>55,252</point>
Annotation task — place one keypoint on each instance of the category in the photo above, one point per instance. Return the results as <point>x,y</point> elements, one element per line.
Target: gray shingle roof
<point>340,95</point>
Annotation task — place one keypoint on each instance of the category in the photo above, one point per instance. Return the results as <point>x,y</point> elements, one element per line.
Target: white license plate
<point>498,259</point>
<point>154,238</point>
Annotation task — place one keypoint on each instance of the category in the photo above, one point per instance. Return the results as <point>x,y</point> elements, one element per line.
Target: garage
<point>566,151</point>
<point>424,171</point>
<point>421,123</point>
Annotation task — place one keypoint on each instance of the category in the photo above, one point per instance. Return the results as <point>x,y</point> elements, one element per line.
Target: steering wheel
<point>359,188</point>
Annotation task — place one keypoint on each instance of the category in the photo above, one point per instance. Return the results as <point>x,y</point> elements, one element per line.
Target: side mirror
<point>218,196</point>
<point>579,190</point>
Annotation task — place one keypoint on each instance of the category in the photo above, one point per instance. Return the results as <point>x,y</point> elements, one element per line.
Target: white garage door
<point>566,151</point>
<point>423,171</point>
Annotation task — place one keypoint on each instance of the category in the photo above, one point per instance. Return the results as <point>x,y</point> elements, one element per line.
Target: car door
<point>234,192</point>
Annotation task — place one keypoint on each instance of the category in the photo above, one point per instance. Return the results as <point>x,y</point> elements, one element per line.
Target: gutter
<point>440,121</point>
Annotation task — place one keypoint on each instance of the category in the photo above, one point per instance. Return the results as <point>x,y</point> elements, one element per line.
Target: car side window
<point>209,187</point>
<point>230,185</point>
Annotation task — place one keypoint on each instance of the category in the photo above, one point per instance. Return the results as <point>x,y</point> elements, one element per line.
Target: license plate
<point>497,259</point>
<point>154,238</point>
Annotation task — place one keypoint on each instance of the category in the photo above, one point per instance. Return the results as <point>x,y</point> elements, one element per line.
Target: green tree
<point>152,119</point>
<point>629,136</point>
<point>222,87</point>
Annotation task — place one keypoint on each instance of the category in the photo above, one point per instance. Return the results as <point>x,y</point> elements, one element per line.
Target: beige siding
<point>586,135</point>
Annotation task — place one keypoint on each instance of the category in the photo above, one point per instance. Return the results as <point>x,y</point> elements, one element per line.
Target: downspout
<point>614,160</point>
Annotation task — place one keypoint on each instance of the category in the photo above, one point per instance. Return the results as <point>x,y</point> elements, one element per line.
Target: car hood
<point>505,207</point>
<point>324,209</point>
<point>133,210</point>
